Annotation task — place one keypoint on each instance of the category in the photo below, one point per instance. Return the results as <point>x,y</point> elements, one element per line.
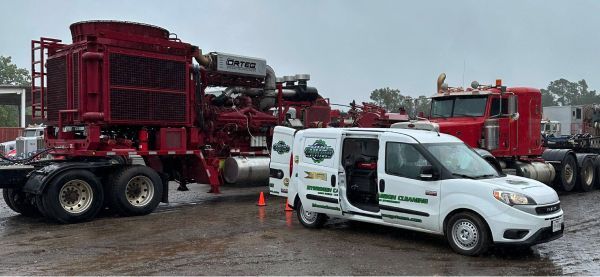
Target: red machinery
<point>367,115</point>
<point>125,93</point>
<point>503,125</point>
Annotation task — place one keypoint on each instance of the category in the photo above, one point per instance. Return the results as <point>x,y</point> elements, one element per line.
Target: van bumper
<point>541,236</point>
<point>515,227</point>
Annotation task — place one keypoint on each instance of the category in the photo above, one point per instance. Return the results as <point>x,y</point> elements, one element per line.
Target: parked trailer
<point>504,125</point>
<point>127,111</point>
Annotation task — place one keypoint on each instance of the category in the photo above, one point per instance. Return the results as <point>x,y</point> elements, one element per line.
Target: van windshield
<point>461,161</point>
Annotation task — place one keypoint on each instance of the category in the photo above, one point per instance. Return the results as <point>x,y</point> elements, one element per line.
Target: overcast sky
<point>352,47</point>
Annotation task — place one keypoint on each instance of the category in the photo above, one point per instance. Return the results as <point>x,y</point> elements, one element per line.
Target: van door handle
<point>333,181</point>
<point>381,185</point>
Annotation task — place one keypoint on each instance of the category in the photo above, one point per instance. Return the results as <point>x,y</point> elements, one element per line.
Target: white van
<point>413,179</point>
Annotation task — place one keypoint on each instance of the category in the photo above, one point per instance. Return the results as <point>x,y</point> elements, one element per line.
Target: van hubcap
<point>308,217</point>
<point>465,234</point>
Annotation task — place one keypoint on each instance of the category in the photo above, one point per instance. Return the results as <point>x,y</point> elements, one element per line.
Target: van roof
<point>419,136</point>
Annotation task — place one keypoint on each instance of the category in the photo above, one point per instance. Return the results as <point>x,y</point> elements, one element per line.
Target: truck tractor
<point>126,111</point>
<point>503,124</point>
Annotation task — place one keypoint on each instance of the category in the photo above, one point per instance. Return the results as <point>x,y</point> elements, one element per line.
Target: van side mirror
<point>428,173</point>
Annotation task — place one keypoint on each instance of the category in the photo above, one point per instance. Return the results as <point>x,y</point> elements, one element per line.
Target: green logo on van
<point>319,151</point>
<point>280,147</point>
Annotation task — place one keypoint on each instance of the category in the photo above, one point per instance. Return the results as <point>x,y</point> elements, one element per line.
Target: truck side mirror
<point>428,173</point>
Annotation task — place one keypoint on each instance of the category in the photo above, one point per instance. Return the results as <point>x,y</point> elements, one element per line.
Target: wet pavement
<point>227,234</point>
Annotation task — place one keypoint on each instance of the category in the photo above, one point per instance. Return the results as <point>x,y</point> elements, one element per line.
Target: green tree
<point>10,74</point>
<point>564,92</point>
<point>389,99</point>
<point>422,104</point>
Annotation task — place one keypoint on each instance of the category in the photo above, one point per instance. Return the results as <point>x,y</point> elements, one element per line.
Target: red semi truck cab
<point>504,121</point>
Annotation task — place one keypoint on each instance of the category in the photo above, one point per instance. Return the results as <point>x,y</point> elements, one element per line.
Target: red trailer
<point>123,94</point>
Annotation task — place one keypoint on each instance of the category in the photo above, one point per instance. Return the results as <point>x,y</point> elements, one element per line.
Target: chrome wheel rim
<point>139,191</point>
<point>568,173</point>
<point>587,173</point>
<point>76,196</point>
<point>465,234</point>
<point>308,217</point>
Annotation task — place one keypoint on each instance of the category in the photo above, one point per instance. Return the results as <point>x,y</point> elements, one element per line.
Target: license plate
<point>557,224</point>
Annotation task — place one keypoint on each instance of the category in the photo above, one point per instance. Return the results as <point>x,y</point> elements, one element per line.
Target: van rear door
<point>317,173</point>
<point>281,153</point>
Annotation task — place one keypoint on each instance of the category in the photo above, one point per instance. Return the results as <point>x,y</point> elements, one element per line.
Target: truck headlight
<point>513,198</point>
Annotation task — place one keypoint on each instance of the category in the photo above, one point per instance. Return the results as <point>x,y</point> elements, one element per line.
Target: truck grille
<point>20,146</point>
<point>56,92</point>
<point>3,149</point>
<point>548,209</point>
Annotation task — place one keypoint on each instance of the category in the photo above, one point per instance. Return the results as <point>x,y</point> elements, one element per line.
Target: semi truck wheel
<point>586,177</point>
<point>467,234</point>
<point>135,190</point>
<point>568,173</point>
<point>72,196</point>
<point>17,201</point>
<point>310,219</point>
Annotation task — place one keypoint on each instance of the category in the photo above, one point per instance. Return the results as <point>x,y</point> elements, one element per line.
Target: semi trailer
<point>126,111</point>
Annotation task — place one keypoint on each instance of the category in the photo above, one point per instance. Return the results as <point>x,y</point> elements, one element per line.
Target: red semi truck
<point>124,94</point>
<point>503,125</point>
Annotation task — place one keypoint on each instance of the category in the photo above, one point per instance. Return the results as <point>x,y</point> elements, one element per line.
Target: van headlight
<point>513,198</point>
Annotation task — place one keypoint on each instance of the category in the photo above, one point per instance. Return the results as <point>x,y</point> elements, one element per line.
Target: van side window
<point>402,159</point>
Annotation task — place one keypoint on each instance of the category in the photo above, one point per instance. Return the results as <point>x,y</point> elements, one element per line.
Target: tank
<point>540,171</point>
<point>246,170</point>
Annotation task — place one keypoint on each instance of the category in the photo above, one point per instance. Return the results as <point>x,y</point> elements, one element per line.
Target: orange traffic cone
<point>287,207</point>
<point>261,200</point>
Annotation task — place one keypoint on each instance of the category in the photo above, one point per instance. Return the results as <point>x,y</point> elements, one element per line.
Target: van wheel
<point>310,219</point>
<point>467,234</point>
<point>586,176</point>
<point>135,190</point>
<point>72,196</point>
<point>18,201</point>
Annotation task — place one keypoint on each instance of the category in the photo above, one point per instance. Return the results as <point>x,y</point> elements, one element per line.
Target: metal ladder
<point>39,50</point>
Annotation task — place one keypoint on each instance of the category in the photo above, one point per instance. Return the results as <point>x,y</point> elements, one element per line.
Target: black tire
<point>309,219</point>
<point>586,176</point>
<point>145,190</point>
<point>471,230</point>
<point>18,201</point>
<point>72,196</point>
<point>6,196</point>
<point>568,173</point>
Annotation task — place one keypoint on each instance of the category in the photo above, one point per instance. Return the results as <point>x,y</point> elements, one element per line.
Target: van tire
<point>309,219</point>
<point>468,234</point>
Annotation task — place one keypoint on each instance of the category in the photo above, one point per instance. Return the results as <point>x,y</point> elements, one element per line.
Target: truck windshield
<point>458,106</point>
<point>461,161</point>
<point>30,133</point>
